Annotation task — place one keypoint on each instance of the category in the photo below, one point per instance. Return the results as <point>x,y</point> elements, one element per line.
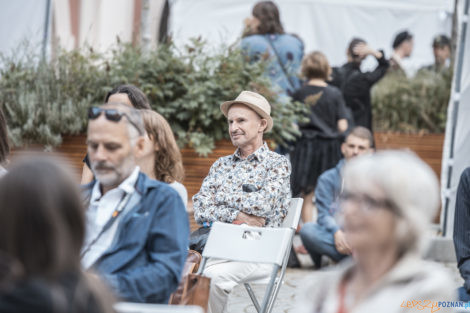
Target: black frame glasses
<point>112,115</point>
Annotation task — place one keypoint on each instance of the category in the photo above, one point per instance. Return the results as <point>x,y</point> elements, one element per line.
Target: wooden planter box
<point>427,146</point>
<point>73,148</point>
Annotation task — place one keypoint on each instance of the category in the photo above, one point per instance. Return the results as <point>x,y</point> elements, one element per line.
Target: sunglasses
<point>112,115</point>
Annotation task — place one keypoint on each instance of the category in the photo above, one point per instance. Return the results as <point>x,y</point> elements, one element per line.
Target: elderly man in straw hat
<point>250,187</point>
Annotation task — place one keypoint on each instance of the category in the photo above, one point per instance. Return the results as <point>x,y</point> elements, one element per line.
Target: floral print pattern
<point>221,196</point>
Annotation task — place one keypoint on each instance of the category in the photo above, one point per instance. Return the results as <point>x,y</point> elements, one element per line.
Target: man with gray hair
<point>137,228</point>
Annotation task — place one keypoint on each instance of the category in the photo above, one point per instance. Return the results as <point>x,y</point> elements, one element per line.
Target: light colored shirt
<point>183,193</point>
<point>100,212</point>
<point>221,196</point>
<point>3,171</point>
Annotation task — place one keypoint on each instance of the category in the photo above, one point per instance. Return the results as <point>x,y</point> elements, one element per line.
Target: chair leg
<point>253,297</point>
<point>269,290</point>
<point>279,280</point>
<point>277,286</point>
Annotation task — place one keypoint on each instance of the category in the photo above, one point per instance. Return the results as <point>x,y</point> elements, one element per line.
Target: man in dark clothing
<point>355,84</point>
<point>441,49</point>
<point>461,232</point>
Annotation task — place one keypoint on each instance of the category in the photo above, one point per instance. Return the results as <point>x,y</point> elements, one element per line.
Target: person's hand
<point>340,243</point>
<point>362,50</point>
<point>251,220</point>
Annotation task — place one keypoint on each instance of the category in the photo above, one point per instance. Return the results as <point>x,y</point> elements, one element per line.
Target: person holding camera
<point>250,187</point>
<point>355,84</point>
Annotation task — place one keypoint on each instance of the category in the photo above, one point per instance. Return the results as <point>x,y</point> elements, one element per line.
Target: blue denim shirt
<point>326,197</point>
<point>145,261</point>
<point>290,50</point>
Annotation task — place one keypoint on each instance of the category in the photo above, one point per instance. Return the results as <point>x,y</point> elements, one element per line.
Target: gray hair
<point>134,121</point>
<point>408,182</point>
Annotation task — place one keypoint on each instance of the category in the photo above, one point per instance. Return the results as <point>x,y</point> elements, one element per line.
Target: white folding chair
<point>256,245</point>
<point>290,221</point>
<point>129,307</point>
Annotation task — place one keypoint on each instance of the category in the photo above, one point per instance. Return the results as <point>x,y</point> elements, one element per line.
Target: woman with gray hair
<point>388,201</point>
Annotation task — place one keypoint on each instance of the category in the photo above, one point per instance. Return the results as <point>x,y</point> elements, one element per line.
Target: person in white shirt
<point>402,48</point>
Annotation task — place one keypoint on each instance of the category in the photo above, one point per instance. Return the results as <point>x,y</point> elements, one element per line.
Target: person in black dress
<point>355,84</point>
<point>318,149</point>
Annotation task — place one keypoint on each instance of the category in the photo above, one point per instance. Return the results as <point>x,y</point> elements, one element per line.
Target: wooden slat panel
<point>428,147</point>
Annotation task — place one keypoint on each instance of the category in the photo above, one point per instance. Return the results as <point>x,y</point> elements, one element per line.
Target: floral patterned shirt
<point>222,195</point>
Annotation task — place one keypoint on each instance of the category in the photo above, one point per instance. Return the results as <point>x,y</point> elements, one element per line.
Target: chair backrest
<point>247,244</point>
<point>129,307</point>
<point>293,215</point>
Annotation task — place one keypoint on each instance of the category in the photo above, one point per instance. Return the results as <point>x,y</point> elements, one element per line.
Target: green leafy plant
<point>46,100</point>
<point>412,105</point>
<point>43,101</point>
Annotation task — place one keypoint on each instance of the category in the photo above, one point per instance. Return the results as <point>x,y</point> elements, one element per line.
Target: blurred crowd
<point>123,235</point>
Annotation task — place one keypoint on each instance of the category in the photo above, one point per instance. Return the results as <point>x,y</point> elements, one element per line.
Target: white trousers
<point>225,275</point>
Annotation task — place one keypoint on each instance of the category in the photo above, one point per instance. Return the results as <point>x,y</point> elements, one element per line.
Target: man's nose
<point>233,127</point>
<point>100,153</point>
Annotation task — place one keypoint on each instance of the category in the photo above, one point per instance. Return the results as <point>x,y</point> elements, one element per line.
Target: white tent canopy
<point>325,25</point>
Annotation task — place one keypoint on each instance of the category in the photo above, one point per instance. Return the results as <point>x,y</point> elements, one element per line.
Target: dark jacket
<point>356,85</point>
<point>68,294</point>
<point>462,227</point>
<point>145,261</point>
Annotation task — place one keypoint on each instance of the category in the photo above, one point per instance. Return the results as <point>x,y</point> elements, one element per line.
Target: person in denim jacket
<point>264,38</point>
<point>137,228</point>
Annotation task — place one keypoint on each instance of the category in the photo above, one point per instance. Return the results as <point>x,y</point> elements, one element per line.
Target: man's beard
<point>114,175</point>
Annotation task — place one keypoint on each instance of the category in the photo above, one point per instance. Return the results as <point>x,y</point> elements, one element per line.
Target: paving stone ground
<point>239,301</point>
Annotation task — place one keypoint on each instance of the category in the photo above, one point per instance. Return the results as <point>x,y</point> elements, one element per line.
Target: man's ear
<point>343,148</point>
<point>263,125</point>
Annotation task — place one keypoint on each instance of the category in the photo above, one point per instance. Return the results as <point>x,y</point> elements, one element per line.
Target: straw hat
<point>254,101</point>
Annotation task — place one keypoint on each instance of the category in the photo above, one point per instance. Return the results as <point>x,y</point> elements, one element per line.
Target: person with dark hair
<point>4,146</point>
<point>355,84</point>
<point>318,148</point>
<point>442,51</point>
<point>130,95</point>
<point>161,159</point>
<point>264,37</point>
<point>137,228</point>
<point>126,94</point>
<point>41,235</point>
<point>402,48</point>
<point>325,237</point>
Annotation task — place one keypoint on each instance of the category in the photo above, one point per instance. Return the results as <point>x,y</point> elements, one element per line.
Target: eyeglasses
<point>112,115</point>
<point>367,203</point>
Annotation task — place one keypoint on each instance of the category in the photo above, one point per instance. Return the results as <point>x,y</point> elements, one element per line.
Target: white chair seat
<point>256,245</point>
